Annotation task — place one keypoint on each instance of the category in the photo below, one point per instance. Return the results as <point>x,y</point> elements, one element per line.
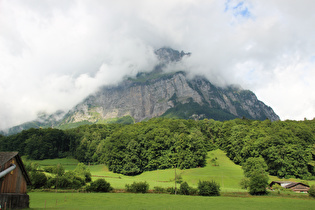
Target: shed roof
<point>6,156</point>
<point>287,184</point>
<point>296,183</point>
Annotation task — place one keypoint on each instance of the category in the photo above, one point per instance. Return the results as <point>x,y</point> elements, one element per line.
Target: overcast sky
<point>54,53</point>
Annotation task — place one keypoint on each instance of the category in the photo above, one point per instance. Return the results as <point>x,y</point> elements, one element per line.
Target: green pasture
<point>226,173</point>
<point>67,163</point>
<point>41,200</point>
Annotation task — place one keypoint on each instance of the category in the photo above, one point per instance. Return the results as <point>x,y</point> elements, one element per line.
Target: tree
<point>184,188</point>
<point>82,171</point>
<point>244,183</point>
<point>311,191</point>
<point>258,183</point>
<point>138,187</point>
<point>254,164</point>
<point>208,188</point>
<point>100,185</point>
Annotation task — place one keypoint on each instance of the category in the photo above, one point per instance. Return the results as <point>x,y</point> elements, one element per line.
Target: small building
<point>13,181</point>
<point>294,186</point>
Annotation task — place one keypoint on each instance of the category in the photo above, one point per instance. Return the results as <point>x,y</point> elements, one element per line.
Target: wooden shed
<point>294,186</point>
<point>13,181</point>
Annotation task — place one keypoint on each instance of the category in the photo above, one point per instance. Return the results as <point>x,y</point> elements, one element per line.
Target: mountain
<point>160,94</point>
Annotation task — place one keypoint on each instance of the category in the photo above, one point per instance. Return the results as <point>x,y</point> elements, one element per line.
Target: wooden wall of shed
<point>13,182</point>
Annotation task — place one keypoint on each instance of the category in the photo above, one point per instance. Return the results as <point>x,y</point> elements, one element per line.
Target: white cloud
<point>55,53</point>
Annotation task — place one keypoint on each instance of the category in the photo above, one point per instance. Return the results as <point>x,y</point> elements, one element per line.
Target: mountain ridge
<point>159,94</point>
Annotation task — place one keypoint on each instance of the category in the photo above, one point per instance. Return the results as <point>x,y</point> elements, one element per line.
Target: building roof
<point>6,156</point>
<point>296,183</point>
<point>287,184</point>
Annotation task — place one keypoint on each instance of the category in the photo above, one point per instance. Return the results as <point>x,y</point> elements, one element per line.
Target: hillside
<point>224,172</point>
<point>287,147</point>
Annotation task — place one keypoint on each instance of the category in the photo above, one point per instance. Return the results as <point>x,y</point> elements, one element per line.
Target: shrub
<point>84,172</point>
<point>140,187</point>
<point>208,188</point>
<point>48,169</point>
<point>258,183</point>
<point>311,191</point>
<point>244,183</point>
<point>38,179</point>
<point>67,181</point>
<point>100,185</point>
<point>58,169</point>
<point>184,188</point>
<point>59,182</point>
<point>158,189</point>
<point>170,190</point>
<point>179,179</point>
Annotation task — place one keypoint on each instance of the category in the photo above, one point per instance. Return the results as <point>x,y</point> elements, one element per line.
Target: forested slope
<point>288,147</point>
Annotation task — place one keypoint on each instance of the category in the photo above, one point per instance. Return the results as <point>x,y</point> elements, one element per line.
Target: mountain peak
<point>167,55</point>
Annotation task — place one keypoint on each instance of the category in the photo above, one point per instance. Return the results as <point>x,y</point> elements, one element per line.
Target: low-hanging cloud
<point>55,53</point>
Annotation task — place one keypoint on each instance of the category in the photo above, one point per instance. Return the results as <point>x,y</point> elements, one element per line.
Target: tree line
<point>287,147</point>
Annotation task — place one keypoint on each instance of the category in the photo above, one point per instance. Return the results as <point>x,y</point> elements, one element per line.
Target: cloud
<point>54,53</point>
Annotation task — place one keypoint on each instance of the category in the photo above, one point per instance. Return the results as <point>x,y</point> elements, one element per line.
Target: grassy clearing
<point>78,201</point>
<point>227,174</point>
<point>67,163</point>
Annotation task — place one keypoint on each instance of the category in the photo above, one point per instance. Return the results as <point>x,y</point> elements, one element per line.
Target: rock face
<point>157,94</point>
<point>154,97</point>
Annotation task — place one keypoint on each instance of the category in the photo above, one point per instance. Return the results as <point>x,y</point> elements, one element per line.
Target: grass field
<point>40,200</point>
<point>226,173</point>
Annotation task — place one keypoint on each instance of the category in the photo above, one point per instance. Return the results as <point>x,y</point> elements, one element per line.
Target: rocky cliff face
<point>154,97</point>
<point>157,94</point>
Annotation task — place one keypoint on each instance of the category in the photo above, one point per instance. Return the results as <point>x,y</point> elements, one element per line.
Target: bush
<point>170,190</point>
<point>184,188</point>
<point>208,188</point>
<point>69,180</point>
<point>58,169</point>
<point>244,183</point>
<point>311,191</point>
<point>140,187</point>
<point>38,179</point>
<point>258,183</point>
<point>48,169</point>
<point>84,172</point>
<point>179,179</point>
<point>100,185</point>
<point>158,189</point>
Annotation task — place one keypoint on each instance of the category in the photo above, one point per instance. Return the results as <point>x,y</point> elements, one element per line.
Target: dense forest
<point>287,147</point>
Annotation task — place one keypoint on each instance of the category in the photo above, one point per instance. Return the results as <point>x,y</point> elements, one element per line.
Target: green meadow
<point>223,171</point>
<point>40,200</point>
